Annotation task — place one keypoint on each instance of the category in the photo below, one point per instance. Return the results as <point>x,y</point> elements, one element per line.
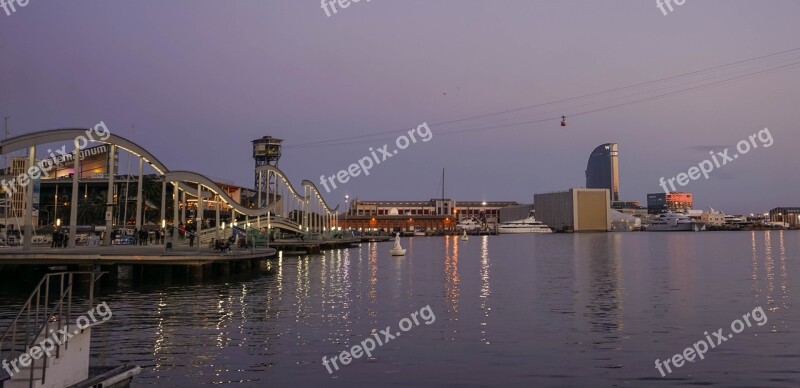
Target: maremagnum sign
<point>68,160</point>
<point>93,161</point>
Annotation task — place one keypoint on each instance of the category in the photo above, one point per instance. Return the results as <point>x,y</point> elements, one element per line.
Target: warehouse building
<point>576,210</point>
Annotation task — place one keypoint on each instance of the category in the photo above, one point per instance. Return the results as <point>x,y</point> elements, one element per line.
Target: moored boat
<point>675,222</point>
<point>527,225</point>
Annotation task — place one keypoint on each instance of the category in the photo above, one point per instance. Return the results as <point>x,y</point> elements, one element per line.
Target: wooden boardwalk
<point>127,254</point>
<point>314,246</point>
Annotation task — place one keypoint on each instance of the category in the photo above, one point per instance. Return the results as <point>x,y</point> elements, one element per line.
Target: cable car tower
<point>266,151</point>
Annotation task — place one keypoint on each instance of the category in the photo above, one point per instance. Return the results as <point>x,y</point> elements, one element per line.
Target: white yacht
<point>528,225</point>
<point>675,222</point>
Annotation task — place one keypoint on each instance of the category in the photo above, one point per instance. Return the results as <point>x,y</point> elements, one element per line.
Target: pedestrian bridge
<point>279,205</point>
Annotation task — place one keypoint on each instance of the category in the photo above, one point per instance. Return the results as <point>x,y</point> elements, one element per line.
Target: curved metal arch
<point>278,172</point>
<point>188,176</point>
<point>311,184</point>
<point>70,134</point>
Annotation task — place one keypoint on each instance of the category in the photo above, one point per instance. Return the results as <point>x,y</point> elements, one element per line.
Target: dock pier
<point>138,262</point>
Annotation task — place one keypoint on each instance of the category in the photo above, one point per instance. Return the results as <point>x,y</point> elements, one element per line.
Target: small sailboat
<point>464,236</point>
<point>397,250</point>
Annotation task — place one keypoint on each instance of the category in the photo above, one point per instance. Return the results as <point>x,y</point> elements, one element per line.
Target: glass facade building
<point>602,171</point>
<point>662,202</point>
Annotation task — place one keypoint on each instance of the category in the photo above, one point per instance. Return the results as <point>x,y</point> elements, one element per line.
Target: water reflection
<point>755,277</point>
<point>767,292</point>
<point>560,300</point>
<point>601,279</point>
<point>452,280</point>
<point>373,272</point>
<point>784,283</point>
<point>485,289</point>
<point>302,286</point>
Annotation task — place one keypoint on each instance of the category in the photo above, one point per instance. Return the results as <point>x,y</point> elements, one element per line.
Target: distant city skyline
<point>197,89</point>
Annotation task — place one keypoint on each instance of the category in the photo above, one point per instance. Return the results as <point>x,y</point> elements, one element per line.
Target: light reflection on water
<point>517,310</point>
<point>485,289</point>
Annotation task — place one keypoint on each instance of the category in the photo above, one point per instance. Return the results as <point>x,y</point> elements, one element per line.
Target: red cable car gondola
<point>563,121</point>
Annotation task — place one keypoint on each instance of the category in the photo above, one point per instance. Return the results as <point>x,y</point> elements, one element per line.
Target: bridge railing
<point>207,235</point>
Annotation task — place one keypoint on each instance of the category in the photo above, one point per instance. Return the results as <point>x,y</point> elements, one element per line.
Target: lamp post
<point>346,209</point>
<point>484,212</point>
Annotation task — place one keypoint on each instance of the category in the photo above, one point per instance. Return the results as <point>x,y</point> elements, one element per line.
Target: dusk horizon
<point>286,70</point>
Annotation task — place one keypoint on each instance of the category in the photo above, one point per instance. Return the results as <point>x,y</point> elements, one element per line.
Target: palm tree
<point>151,193</point>
<point>91,211</point>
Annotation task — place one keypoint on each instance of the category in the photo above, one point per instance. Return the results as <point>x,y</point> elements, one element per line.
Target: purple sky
<point>201,79</point>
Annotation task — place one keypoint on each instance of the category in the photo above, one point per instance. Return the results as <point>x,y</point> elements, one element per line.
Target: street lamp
<point>347,209</point>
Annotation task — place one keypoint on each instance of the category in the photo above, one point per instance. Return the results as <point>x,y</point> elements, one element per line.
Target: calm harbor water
<point>510,310</point>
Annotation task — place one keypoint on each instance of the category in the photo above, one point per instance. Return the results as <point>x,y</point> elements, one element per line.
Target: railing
<point>20,337</point>
<point>257,238</point>
<point>209,234</point>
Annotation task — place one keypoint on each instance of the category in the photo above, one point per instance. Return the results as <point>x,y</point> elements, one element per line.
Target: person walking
<point>55,238</point>
<point>158,236</point>
<point>191,239</point>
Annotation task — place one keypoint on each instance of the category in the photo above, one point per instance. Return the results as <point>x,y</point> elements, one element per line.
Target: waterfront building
<point>713,218</point>
<point>434,214</point>
<point>514,213</point>
<point>52,192</point>
<point>788,216</point>
<point>578,210</point>
<point>658,203</point>
<point>619,205</point>
<point>52,199</point>
<point>602,170</point>
<point>94,163</point>
<point>13,203</point>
